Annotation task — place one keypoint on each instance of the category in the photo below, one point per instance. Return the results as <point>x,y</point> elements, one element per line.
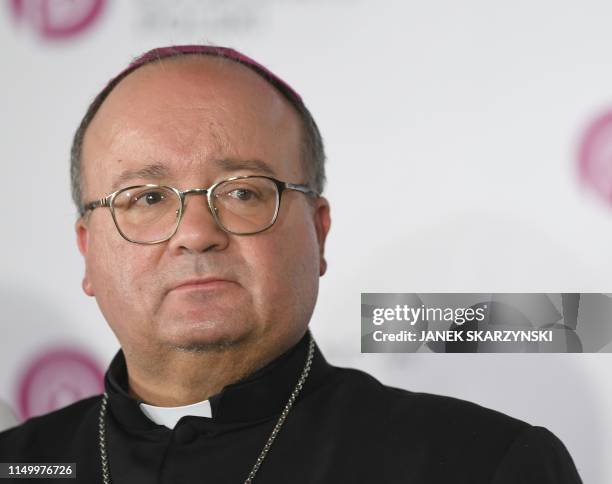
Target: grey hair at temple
<point>312,149</point>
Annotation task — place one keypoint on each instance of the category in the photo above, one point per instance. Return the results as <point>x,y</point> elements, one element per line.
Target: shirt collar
<point>169,416</point>
<point>261,395</point>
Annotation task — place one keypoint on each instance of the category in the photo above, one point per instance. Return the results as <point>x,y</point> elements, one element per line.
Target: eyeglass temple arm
<point>103,202</point>
<point>301,188</point>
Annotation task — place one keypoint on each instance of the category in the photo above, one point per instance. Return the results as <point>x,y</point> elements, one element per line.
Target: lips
<point>201,283</point>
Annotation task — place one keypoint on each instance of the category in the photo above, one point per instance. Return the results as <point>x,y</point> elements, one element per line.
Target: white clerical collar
<point>169,416</point>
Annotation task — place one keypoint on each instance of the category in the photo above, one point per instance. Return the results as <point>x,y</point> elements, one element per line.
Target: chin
<point>205,336</point>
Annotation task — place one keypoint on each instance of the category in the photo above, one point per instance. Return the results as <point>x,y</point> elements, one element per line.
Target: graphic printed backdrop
<point>485,130</point>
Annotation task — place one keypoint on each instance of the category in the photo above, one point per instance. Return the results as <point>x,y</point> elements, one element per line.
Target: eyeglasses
<point>241,205</point>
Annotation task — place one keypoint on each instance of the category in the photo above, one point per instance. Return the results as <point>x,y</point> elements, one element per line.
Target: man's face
<point>199,120</point>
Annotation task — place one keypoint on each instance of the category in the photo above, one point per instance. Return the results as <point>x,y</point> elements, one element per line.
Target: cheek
<point>119,272</point>
<point>284,267</point>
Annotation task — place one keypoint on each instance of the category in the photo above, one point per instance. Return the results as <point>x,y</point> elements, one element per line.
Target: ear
<point>322,222</point>
<point>82,234</point>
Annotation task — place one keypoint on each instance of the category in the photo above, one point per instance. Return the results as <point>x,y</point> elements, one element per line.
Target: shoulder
<point>450,436</point>
<point>536,455</point>
<point>397,405</point>
<point>55,429</point>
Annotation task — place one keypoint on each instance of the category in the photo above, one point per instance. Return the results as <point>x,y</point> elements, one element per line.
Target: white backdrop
<point>465,117</point>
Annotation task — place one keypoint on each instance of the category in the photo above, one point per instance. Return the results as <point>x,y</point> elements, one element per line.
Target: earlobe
<point>323,266</point>
<point>87,289</point>
<point>82,234</point>
<point>322,225</point>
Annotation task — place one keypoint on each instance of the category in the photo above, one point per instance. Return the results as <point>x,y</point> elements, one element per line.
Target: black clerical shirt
<point>345,427</point>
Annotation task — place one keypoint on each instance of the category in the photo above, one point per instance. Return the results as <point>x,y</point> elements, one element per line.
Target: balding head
<point>189,111</point>
<point>312,155</point>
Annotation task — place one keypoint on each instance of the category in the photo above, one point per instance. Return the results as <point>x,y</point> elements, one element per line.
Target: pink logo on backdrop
<point>595,156</point>
<point>58,19</point>
<point>58,378</point>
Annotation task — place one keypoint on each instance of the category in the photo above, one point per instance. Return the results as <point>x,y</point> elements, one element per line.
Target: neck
<point>174,378</point>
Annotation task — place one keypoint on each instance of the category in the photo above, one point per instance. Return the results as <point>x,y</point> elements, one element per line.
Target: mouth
<point>203,284</point>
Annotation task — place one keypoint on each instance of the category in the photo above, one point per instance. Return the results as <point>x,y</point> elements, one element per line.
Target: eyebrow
<point>158,171</point>
<point>155,170</point>
<point>229,164</point>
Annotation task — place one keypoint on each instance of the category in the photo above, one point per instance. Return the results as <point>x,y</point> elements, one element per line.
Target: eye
<point>249,192</point>
<point>243,194</point>
<point>149,198</point>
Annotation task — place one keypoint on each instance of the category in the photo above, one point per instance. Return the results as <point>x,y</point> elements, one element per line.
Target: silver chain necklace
<point>102,427</point>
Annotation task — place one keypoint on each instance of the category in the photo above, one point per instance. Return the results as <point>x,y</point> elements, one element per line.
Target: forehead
<point>186,112</point>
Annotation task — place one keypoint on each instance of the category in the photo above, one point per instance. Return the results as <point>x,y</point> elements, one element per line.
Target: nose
<point>197,230</point>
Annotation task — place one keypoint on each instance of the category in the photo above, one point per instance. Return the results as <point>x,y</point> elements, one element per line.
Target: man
<point>198,177</point>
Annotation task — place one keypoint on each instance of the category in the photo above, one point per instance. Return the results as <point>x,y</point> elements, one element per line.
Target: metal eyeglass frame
<point>281,186</point>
